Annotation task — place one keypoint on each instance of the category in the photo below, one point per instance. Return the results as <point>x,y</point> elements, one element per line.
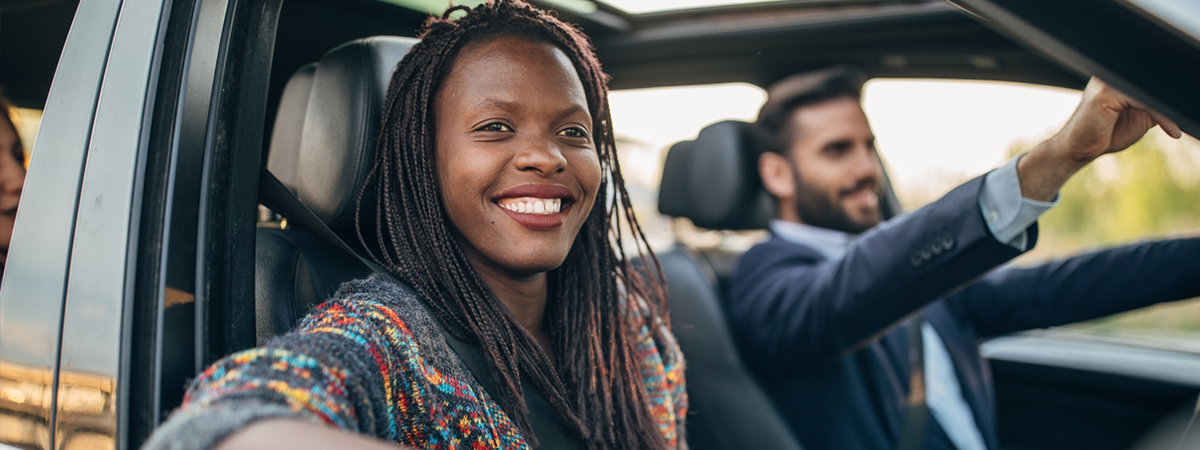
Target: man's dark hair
<point>597,390</point>
<point>791,93</point>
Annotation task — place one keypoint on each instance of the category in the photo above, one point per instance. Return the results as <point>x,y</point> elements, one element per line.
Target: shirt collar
<point>829,243</point>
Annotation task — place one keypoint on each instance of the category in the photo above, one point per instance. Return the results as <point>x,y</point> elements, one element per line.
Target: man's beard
<point>816,208</point>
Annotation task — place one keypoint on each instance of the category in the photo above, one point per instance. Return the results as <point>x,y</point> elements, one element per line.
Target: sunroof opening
<point>649,6</point>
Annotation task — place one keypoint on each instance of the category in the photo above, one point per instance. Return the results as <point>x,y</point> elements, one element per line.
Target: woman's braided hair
<point>597,390</point>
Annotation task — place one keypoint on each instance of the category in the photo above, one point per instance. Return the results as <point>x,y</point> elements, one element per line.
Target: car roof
<point>756,43</point>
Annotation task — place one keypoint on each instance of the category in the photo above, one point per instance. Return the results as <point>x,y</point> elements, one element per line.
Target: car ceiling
<point>754,43</point>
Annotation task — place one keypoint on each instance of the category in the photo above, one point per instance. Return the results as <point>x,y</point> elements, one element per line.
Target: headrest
<point>713,180</point>
<point>289,124</point>
<point>341,124</point>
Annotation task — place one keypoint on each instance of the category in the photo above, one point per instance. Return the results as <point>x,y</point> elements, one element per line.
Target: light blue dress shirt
<point>1008,215</point>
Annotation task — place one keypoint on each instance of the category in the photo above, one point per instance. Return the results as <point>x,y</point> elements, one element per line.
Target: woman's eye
<point>573,132</point>
<point>496,127</point>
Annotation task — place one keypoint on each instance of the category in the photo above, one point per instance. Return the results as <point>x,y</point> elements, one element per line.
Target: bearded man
<point>864,331</point>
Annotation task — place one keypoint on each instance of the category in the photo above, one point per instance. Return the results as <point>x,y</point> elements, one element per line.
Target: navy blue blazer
<point>826,339</point>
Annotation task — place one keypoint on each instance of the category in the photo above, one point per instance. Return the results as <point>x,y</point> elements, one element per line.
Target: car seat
<point>295,269</point>
<point>709,181</point>
<point>284,151</point>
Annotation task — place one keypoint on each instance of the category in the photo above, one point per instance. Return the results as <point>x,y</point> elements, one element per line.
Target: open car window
<point>936,134</point>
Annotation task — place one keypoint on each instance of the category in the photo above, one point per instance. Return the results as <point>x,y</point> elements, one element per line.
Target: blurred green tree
<point>1150,190</point>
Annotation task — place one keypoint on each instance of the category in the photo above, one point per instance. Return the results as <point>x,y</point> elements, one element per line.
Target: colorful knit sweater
<point>371,360</point>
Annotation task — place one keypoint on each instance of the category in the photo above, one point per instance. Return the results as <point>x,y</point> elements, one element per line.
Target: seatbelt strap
<point>545,421</point>
<point>916,417</point>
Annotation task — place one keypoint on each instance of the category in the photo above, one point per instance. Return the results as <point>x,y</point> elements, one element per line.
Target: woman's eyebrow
<point>514,107</point>
<point>507,105</point>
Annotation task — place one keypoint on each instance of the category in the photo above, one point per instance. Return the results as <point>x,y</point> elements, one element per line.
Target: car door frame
<point>132,263</point>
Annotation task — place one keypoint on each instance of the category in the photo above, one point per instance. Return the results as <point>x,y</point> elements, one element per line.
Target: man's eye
<point>573,132</point>
<point>837,148</point>
<point>496,127</point>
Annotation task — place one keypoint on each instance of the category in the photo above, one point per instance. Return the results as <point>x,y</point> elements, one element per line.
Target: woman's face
<point>516,162</point>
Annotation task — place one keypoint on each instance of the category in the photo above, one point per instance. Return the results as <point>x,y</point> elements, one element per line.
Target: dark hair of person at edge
<point>12,176</point>
<point>597,390</point>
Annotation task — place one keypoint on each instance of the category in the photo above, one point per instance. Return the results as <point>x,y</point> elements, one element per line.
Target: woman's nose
<point>541,155</point>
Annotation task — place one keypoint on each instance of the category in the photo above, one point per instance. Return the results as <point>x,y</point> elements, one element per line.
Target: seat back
<point>728,410</point>
<point>705,181</point>
<point>295,269</point>
<point>283,155</point>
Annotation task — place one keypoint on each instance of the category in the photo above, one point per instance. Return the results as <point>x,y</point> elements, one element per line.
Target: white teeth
<point>530,205</point>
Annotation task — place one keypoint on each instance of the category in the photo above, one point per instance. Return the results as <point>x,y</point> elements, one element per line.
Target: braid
<point>598,389</point>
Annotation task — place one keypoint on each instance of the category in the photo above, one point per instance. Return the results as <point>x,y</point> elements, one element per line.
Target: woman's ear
<point>776,173</point>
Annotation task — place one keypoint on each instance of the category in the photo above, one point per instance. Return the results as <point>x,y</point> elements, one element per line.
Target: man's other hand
<point>1106,121</point>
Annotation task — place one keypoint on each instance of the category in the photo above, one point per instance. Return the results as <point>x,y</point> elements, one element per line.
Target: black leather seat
<point>713,183</point>
<point>284,153</point>
<point>294,269</point>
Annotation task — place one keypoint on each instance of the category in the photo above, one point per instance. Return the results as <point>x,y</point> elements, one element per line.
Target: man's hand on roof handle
<point>1106,121</point>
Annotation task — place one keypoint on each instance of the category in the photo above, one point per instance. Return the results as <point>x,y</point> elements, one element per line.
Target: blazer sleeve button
<point>915,259</point>
<point>947,241</point>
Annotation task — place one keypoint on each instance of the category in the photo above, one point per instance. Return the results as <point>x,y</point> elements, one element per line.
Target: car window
<point>936,134</point>
<point>648,121</point>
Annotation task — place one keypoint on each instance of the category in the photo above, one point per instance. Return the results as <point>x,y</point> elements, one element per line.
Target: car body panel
<point>106,231</point>
<point>34,288</point>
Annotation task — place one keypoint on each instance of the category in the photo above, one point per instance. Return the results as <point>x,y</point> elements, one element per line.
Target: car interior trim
<point>1143,363</point>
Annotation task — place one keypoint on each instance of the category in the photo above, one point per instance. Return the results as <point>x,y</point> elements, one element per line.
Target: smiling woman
<point>488,202</point>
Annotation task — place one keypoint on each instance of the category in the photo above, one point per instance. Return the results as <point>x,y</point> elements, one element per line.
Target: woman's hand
<point>299,435</point>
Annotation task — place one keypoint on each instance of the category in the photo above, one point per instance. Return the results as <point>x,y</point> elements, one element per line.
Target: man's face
<point>838,175</point>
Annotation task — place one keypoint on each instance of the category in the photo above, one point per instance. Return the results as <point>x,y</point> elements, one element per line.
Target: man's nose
<point>541,155</point>
<point>865,163</point>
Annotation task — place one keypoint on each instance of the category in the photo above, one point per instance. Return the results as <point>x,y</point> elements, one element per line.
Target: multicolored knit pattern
<point>662,367</point>
<point>373,361</point>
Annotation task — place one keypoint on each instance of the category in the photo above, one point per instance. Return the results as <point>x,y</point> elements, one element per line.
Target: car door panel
<point>1058,389</point>
<point>35,281</point>
<point>106,232</point>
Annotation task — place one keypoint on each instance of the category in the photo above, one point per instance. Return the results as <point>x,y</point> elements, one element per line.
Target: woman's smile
<point>537,206</point>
